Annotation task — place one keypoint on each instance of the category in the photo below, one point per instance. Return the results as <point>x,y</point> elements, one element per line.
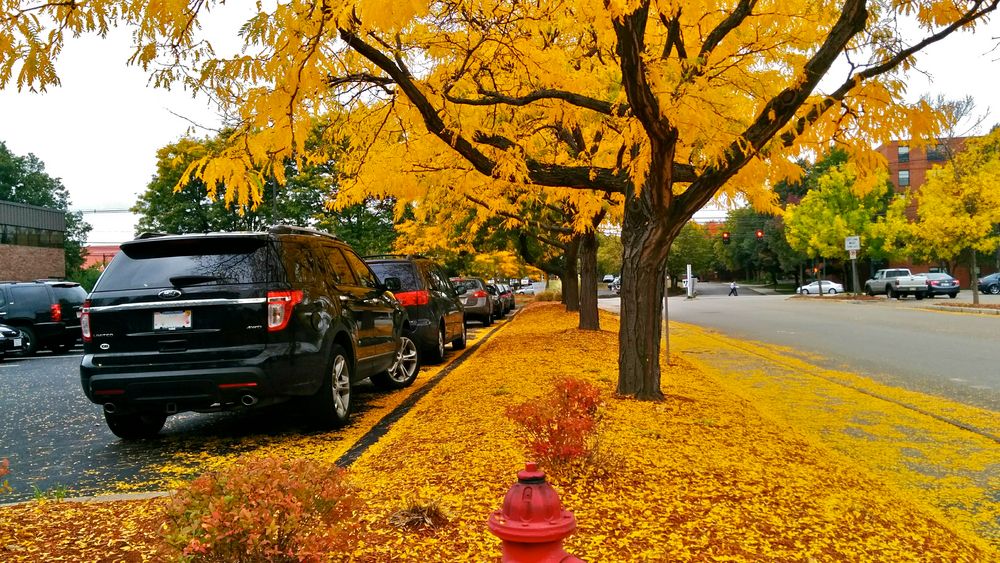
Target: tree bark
<point>646,238</point>
<point>571,281</point>
<point>589,318</point>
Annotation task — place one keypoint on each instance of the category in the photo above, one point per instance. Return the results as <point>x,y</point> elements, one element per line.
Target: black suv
<point>432,304</point>
<point>47,312</point>
<point>217,321</point>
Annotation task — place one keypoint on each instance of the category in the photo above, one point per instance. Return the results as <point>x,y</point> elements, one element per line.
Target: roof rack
<point>380,256</point>
<point>145,235</point>
<point>295,230</point>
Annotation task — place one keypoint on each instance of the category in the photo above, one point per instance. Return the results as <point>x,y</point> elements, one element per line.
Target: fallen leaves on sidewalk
<point>701,476</point>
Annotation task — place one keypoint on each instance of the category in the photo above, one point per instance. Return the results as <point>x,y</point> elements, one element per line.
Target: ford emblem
<point>169,294</point>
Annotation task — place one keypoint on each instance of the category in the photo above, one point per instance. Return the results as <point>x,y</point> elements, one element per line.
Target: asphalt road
<point>899,343</point>
<point>58,443</point>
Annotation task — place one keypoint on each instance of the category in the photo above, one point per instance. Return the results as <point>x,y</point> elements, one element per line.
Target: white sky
<point>100,130</point>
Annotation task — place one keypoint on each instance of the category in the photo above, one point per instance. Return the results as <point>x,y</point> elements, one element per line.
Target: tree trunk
<point>571,281</point>
<point>646,240</point>
<point>589,319</point>
<point>974,279</point>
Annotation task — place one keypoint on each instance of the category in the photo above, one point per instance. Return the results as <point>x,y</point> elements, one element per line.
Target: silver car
<point>479,303</point>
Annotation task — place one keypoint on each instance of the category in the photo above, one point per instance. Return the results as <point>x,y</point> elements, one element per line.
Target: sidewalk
<point>738,463</point>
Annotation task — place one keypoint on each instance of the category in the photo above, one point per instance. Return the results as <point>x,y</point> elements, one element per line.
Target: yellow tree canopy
<point>958,206</point>
<point>526,92</point>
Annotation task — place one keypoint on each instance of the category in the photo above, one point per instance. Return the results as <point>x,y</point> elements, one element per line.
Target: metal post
<point>690,283</point>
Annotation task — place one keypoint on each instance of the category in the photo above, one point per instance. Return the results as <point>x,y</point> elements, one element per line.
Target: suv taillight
<point>406,298</point>
<point>85,321</point>
<point>55,311</point>
<point>279,308</point>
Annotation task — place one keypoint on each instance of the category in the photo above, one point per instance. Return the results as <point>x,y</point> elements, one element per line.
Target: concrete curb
<point>966,310</point>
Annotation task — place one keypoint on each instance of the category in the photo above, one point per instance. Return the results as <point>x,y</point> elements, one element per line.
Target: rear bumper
<point>173,388</point>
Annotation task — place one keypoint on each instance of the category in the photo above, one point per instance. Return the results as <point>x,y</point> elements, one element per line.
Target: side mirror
<point>392,284</point>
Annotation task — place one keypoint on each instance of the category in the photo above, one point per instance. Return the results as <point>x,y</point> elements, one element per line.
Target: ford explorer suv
<point>221,321</point>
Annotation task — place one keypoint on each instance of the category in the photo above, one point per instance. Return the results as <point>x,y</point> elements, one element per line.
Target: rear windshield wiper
<point>180,281</point>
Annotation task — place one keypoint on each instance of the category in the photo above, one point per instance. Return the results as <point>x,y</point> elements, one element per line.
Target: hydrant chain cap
<point>531,511</point>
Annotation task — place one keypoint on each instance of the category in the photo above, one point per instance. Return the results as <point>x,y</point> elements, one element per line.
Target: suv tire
<point>30,340</point>
<point>403,371</point>
<point>332,404</point>
<point>135,426</point>
<point>436,354</point>
<point>460,342</point>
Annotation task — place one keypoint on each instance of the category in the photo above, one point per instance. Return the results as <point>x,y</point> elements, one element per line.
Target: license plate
<point>171,320</point>
<point>17,342</point>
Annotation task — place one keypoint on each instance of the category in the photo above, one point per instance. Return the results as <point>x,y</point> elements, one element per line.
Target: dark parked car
<point>479,303</point>
<point>432,303</point>
<point>11,341</point>
<point>507,297</point>
<point>990,284</point>
<point>941,284</point>
<point>220,321</point>
<point>47,312</point>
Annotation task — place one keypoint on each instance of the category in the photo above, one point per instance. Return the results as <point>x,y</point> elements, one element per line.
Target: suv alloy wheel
<point>332,404</point>
<point>404,371</point>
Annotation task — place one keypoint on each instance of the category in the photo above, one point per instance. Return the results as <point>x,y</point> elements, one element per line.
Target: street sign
<point>854,253</point>
<point>852,243</point>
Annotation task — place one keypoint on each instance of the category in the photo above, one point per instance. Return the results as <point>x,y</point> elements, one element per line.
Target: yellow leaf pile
<point>729,467</point>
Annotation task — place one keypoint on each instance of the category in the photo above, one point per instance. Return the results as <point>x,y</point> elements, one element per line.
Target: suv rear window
<point>69,294</point>
<point>403,270</point>
<point>192,261</point>
<point>467,284</point>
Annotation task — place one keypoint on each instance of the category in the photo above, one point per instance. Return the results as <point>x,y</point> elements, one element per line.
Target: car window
<point>441,281</point>
<point>467,284</point>
<point>361,270</point>
<point>223,260</point>
<point>338,266</point>
<point>30,295</point>
<point>405,271</point>
<point>69,294</point>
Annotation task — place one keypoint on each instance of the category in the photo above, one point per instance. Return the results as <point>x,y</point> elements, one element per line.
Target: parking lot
<point>59,445</point>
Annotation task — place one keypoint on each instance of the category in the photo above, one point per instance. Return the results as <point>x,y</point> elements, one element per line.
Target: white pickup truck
<point>897,282</point>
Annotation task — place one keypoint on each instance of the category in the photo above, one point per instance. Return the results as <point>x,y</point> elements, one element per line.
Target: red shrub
<point>560,426</point>
<point>264,509</point>
<point>4,469</point>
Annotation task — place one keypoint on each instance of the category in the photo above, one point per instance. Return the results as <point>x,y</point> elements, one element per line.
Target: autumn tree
<point>959,204</point>
<point>667,104</point>
<point>834,209</point>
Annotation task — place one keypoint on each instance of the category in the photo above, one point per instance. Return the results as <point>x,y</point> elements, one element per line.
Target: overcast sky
<point>100,130</point>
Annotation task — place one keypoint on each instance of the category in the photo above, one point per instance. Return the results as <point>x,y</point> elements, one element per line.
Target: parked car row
<point>222,321</point>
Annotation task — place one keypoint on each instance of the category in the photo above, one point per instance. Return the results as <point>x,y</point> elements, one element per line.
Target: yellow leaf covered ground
<point>718,471</point>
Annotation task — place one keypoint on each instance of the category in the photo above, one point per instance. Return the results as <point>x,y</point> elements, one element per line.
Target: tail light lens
<point>279,308</point>
<point>55,311</point>
<point>85,321</point>
<point>480,294</point>
<point>407,298</point>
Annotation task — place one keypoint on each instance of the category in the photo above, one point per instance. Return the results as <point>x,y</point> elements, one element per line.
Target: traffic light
<point>760,235</point>
<point>725,237</point>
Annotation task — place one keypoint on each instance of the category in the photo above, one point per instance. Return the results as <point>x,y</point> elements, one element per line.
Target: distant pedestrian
<point>732,289</point>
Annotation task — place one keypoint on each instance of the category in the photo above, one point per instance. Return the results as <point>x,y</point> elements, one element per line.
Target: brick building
<point>908,166</point>
<point>31,242</point>
<point>99,255</point>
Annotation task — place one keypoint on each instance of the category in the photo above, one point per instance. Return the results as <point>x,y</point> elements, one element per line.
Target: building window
<point>904,178</point>
<point>937,152</point>
<point>903,154</point>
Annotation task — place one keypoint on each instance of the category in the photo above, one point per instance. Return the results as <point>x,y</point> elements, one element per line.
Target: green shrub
<point>263,509</point>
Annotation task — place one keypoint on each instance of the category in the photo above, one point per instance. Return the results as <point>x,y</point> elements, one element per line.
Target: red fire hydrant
<point>532,523</point>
